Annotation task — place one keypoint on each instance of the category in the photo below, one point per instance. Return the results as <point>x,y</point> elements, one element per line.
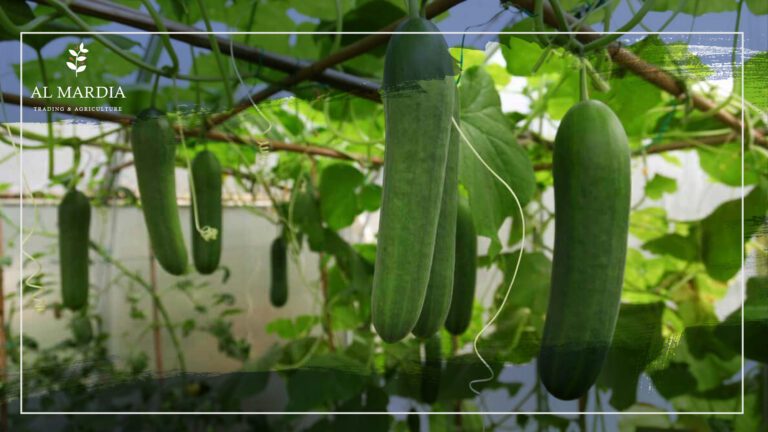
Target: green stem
<point>607,18</point>
<point>216,51</point>
<point>155,298</point>
<point>608,39</point>
<point>75,165</point>
<point>49,119</point>
<point>153,97</point>
<point>538,21</point>
<point>634,12</point>
<point>562,23</point>
<point>163,36</point>
<point>583,88</point>
<point>674,15</point>
<point>413,8</point>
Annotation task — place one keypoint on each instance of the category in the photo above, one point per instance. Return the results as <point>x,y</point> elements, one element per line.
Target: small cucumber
<point>465,275</point>
<point>437,301</point>
<point>278,292</point>
<point>74,219</point>
<point>206,178</point>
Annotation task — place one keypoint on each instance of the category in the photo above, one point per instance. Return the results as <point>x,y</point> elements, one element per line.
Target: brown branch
<point>269,144</point>
<point>350,51</point>
<point>643,69</point>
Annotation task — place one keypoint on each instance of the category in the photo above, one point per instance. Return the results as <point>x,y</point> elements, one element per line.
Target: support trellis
<point>319,71</point>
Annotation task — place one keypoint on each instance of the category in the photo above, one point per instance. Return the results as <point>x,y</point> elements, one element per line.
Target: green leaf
<point>723,163</point>
<point>721,239</point>
<point>695,8</point>
<point>287,328</point>
<point>338,203</point>
<point>521,55</point>
<point>755,322</point>
<point>758,7</point>
<point>369,198</point>
<point>491,135</point>
<point>755,80</point>
<point>659,185</point>
<point>19,13</point>
<point>648,223</point>
<point>684,248</point>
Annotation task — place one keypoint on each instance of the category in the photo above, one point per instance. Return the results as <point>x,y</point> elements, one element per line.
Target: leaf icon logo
<point>77,58</point>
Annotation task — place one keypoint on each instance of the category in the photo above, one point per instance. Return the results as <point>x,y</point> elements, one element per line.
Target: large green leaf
<point>755,80</point>
<point>338,188</point>
<point>755,322</point>
<point>721,239</point>
<point>723,163</point>
<point>491,135</point>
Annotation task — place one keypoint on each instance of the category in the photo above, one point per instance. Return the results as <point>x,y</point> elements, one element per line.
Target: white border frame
<point>619,413</point>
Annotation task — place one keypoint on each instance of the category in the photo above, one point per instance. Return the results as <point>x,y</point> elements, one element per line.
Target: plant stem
<point>538,22</point>
<point>583,88</point>
<point>109,259</point>
<point>49,118</point>
<point>216,52</point>
<point>608,39</point>
<point>156,336</point>
<point>413,8</point>
<point>163,36</point>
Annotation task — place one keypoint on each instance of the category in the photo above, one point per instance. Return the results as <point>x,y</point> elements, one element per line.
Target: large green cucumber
<point>591,169</point>
<point>437,301</point>
<point>418,95</point>
<point>278,291</point>
<point>206,178</point>
<point>465,274</point>
<point>154,154</point>
<point>74,218</point>
<point>431,369</point>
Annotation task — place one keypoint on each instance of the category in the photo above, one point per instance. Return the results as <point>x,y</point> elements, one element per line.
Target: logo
<point>78,56</point>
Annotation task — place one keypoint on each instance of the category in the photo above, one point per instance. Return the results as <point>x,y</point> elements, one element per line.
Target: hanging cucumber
<point>431,369</point>
<point>437,301</point>
<point>74,220</point>
<point>278,292</point>
<point>591,169</point>
<point>465,274</point>
<point>154,154</point>
<point>418,95</point>
<point>206,179</point>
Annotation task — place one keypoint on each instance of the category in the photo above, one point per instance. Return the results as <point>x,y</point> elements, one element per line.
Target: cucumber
<point>418,95</point>
<point>278,291</point>
<point>206,178</point>
<point>591,170</point>
<point>437,301</point>
<point>431,369</point>
<point>154,155</point>
<point>74,220</point>
<point>465,274</point>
